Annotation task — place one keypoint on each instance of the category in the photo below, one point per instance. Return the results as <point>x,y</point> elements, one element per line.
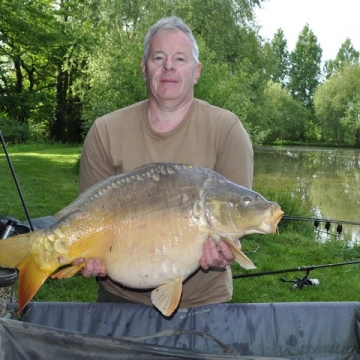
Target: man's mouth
<point>168,81</point>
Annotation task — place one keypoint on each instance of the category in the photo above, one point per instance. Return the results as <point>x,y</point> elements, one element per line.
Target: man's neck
<point>164,119</point>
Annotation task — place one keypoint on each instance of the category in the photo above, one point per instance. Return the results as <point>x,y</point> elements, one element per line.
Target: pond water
<point>329,178</point>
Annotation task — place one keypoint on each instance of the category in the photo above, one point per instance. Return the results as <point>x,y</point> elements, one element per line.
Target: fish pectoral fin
<point>31,277</point>
<point>240,257</point>
<point>166,297</point>
<point>68,271</point>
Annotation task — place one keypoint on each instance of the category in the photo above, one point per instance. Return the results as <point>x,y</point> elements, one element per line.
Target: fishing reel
<point>299,283</point>
<point>8,229</point>
<point>12,228</point>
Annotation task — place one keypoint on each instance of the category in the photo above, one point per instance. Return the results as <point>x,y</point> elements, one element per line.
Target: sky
<point>331,21</point>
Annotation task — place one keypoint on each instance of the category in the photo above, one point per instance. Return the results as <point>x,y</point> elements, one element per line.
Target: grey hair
<point>166,24</point>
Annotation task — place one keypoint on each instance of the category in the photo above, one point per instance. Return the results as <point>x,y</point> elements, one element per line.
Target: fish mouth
<point>276,216</point>
<point>270,223</point>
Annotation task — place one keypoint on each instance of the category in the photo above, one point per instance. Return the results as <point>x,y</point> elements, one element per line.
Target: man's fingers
<point>78,261</point>
<point>93,267</point>
<point>226,252</point>
<point>216,255</point>
<point>89,268</point>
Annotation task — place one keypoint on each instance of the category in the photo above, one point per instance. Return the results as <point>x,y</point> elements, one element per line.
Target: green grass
<point>48,177</point>
<point>290,250</point>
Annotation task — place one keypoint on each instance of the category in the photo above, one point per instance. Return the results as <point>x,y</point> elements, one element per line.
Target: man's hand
<point>93,267</point>
<point>217,256</point>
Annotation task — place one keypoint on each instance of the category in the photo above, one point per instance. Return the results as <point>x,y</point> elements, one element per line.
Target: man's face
<point>170,71</point>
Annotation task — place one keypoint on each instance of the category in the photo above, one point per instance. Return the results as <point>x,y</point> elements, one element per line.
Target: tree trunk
<point>57,130</point>
<point>357,138</point>
<point>66,126</point>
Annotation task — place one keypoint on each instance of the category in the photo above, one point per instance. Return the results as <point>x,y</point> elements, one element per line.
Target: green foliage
<point>28,33</point>
<point>232,88</point>
<point>286,116</point>
<point>224,85</point>
<point>305,68</point>
<point>280,73</point>
<point>13,131</point>
<point>345,56</point>
<point>337,106</point>
<point>116,79</point>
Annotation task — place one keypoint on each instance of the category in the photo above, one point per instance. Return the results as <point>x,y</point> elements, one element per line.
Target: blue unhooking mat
<point>327,330</point>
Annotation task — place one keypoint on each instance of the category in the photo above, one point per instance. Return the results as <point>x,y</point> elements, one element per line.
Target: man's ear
<point>197,72</point>
<point>143,69</point>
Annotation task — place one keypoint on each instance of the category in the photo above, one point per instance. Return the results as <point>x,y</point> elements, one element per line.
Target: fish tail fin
<point>14,253</point>
<point>240,257</point>
<point>13,250</point>
<point>31,277</point>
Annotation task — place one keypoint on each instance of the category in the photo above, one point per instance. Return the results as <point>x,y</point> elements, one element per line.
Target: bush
<point>38,132</point>
<point>13,131</point>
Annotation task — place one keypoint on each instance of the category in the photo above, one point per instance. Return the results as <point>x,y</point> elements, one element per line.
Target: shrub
<point>13,131</point>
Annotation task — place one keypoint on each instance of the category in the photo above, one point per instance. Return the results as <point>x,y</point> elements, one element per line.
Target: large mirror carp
<point>148,227</point>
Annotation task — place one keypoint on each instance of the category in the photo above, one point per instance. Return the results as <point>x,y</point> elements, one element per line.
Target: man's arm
<point>95,163</point>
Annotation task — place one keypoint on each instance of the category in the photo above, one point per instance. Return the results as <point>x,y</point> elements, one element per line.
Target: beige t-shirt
<point>208,136</point>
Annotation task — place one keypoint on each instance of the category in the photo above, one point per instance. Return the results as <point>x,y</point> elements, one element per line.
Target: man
<point>171,126</point>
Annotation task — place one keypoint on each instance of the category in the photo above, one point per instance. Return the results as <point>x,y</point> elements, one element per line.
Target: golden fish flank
<point>148,227</point>
<point>48,247</point>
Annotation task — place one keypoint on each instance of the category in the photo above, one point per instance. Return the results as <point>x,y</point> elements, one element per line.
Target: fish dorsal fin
<point>240,257</point>
<point>92,193</point>
<point>166,297</point>
<point>31,277</point>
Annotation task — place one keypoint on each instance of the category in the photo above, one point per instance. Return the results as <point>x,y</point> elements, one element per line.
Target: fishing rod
<point>16,181</point>
<point>317,221</point>
<point>298,283</point>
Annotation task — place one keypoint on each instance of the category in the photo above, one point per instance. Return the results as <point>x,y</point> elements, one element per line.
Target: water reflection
<point>328,178</point>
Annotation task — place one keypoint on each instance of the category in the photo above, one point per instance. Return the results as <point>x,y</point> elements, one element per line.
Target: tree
<point>39,59</point>
<point>305,67</point>
<point>71,58</point>
<point>305,73</point>
<point>281,55</point>
<point>337,106</point>
<point>28,32</point>
<point>285,115</point>
<point>346,55</point>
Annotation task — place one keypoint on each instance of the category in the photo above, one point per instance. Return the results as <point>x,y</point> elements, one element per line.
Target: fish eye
<point>247,201</point>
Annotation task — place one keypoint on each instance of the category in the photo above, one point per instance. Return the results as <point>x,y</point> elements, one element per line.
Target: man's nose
<point>168,65</point>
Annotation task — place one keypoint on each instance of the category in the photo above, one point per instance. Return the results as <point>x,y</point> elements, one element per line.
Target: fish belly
<point>154,250</point>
